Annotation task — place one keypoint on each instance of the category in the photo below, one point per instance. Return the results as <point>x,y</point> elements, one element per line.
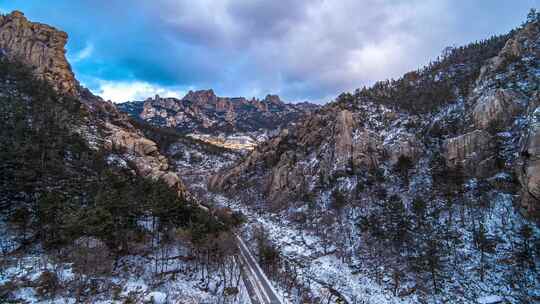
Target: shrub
<point>90,256</point>
<point>402,167</point>
<point>338,200</point>
<point>47,284</point>
<point>229,217</point>
<point>7,290</point>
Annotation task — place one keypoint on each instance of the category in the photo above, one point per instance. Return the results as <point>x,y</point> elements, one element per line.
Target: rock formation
<point>524,50</point>
<point>528,168</point>
<point>204,112</point>
<point>143,154</point>
<point>332,139</point>
<point>343,131</point>
<point>40,46</point>
<point>403,145</point>
<point>469,151</point>
<point>497,109</point>
<point>367,149</point>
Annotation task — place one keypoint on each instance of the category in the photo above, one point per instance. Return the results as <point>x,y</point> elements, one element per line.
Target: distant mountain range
<point>204,112</point>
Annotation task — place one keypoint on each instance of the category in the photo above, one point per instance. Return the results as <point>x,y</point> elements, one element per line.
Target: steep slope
<point>85,191</point>
<point>379,125</point>
<point>53,181</point>
<point>204,112</point>
<point>193,159</point>
<point>42,48</point>
<point>412,182</point>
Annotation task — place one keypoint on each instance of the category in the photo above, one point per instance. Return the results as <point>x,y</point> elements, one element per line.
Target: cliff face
<point>40,46</point>
<point>330,143</point>
<point>204,112</point>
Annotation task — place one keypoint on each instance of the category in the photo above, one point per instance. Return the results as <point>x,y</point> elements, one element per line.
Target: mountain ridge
<point>204,112</point>
<point>485,114</point>
<point>425,183</point>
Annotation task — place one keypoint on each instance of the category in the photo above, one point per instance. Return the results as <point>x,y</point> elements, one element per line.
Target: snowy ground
<point>318,266</point>
<point>134,279</point>
<point>317,269</point>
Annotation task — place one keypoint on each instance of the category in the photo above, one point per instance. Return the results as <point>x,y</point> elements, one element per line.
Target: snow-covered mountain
<point>425,187</point>
<point>204,112</point>
<point>92,209</point>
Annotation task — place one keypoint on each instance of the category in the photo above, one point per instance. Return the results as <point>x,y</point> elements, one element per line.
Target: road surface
<point>259,288</point>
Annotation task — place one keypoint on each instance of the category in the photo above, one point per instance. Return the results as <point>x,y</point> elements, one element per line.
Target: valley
<point>421,189</point>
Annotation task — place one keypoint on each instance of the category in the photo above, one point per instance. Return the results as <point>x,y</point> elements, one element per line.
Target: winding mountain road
<point>259,288</point>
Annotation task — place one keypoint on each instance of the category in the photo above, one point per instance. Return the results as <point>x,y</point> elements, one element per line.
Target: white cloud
<point>129,91</point>
<point>341,45</point>
<point>318,47</point>
<point>84,53</point>
<point>300,49</point>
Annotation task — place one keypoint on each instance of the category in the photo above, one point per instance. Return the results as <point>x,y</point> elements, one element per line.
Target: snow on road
<point>258,280</point>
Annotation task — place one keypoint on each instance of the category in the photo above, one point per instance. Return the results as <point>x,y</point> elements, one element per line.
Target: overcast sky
<point>300,49</point>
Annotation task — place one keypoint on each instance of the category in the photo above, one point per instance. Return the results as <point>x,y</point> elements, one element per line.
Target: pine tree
<point>533,16</point>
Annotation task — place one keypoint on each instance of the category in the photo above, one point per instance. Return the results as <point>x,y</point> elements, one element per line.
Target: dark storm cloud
<point>302,49</point>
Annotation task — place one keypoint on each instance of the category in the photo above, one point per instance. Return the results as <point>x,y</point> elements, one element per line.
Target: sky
<point>300,49</point>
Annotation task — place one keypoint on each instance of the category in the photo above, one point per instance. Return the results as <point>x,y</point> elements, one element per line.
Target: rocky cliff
<point>40,46</point>
<point>424,184</point>
<point>204,112</point>
<point>474,110</point>
<point>43,49</point>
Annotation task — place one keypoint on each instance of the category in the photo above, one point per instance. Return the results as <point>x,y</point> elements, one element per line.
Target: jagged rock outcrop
<point>367,149</point>
<point>471,152</point>
<point>344,138</point>
<point>121,139</point>
<point>403,145</point>
<point>524,44</point>
<point>497,109</point>
<point>326,144</point>
<point>528,168</point>
<point>40,46</point>
<point>204,112</point>
<point>517,64</point>
<point>143,154</point>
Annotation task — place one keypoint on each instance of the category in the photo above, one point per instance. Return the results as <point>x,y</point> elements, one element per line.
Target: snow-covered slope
<point>426,186</point>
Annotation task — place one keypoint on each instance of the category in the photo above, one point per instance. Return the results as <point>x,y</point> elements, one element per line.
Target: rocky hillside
<point>39,46</point>
<point>204,112</point>
<point>42,48</point>
<point>32,50</point>
<point>440,108</point>
<point>436,172</point>
<point>83,188</point>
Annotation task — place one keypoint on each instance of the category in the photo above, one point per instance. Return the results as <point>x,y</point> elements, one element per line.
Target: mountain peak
<point>273,99</point>
<point>201,96</point>
<point>205,112</point>
<point>17,14</point>
<point>41,47</point>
